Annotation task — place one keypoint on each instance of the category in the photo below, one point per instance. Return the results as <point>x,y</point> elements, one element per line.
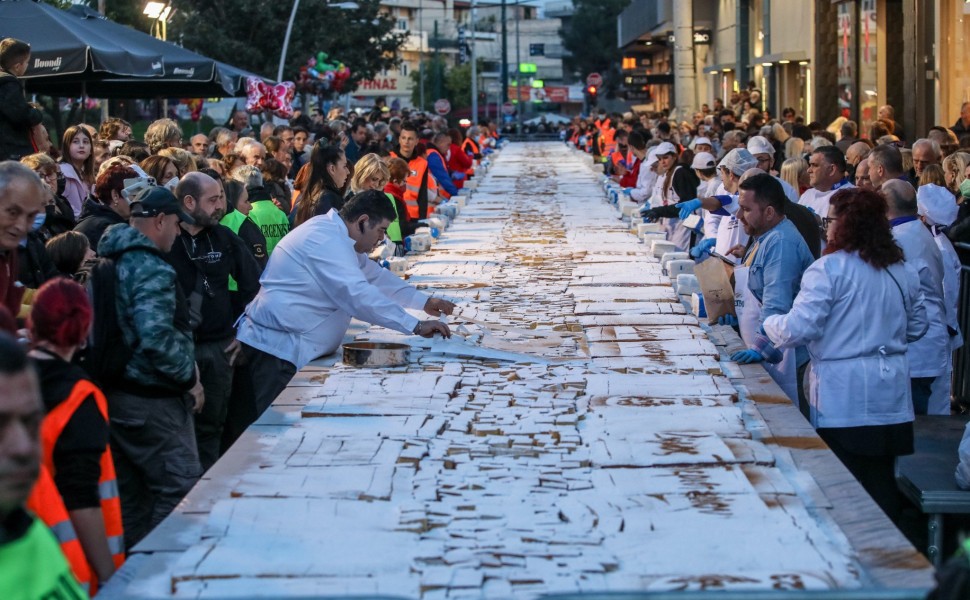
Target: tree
<point>249,34</point>
<point>456,81</point>
<point>591,37</point>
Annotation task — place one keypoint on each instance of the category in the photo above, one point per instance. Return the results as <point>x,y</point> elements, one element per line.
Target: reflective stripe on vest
<point>418,169</point>
<point>45,502</point>
<point>441,190</point>
<point>52,427</point>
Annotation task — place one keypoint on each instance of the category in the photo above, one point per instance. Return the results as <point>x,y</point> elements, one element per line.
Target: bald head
<point>856,152</point>
<point>862,175</point>
<point>900,199</point>
<point>750,173</point>
<point>203,199</point>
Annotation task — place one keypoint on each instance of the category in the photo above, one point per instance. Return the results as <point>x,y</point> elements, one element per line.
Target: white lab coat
<point>951,285</point>
<point>314,283</point>
<point>929,356</point>
<point>855,324</point>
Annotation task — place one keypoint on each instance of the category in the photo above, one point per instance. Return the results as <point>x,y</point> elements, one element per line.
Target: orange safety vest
<point>53,513</point>
<point>45,501</point>
<point>608,135</point>
<point>441,190</point>
<point>412,184</point>
<point>469,146</point>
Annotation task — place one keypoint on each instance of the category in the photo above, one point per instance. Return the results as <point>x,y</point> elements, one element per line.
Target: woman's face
<point>170,171</point>
<point>372,183</point>
<point>80,148</point>
<point>339,172</point>
<point>49,177</point>
<point>243,204</point>
<point>832,230</point>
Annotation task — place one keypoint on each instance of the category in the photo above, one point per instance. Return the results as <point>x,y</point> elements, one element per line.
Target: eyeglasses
<point>826,221</point>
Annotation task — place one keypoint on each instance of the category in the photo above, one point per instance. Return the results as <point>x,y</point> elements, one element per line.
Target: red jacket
<point>459,162</point>
<point>630,179</point>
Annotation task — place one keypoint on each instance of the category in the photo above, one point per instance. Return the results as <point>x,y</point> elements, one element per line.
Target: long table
<point>583,434</point>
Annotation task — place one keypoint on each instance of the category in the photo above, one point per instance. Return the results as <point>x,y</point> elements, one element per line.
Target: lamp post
<point>160,13</point>
<point>474,68</point>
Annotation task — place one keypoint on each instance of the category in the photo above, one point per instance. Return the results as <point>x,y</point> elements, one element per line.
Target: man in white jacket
<point>928,357</point>
<point>318,278</point>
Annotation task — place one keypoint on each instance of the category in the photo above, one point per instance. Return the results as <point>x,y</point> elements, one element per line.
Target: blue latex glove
<point>727,320</point>
<point>703,247</point>
<point>688,207</point>
<point>457,175</point>
<point>747,357</point>
<point>628,191</point>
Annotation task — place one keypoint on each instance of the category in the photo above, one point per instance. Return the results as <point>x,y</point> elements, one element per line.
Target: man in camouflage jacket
<point>151,407</point>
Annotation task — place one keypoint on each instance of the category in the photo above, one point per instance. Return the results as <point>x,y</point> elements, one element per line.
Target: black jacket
<point>95,218</point>
<point>218,253</point>
<point>36,265</point>
<point>16,119</point>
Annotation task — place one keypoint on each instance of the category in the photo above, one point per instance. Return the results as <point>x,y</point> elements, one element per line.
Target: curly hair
<point>163,133</point>
<point>863,227</point>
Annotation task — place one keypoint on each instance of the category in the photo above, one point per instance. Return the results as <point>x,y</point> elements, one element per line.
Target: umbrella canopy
<point>59,49</point>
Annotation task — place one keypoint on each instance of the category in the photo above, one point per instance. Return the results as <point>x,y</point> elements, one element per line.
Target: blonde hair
<point>792,169</point>
<point>368,166</point>
<point>933,174</point>
<point>162,134</point>
<point>39,161</point>
<point>907,154</point>
<point>184,161</point>
<point>794,147</point>
<point>956,164</point>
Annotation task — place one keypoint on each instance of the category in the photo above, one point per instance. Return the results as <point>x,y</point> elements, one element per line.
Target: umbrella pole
<point>84,101</point>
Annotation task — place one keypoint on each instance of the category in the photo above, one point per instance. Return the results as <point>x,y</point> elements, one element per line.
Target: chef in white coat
<point>858,308</point>
<point>938,209</point>
<point>318,278</point>
<point>928,358</point>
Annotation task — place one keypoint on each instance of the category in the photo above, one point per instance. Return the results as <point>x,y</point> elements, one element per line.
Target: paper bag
<point>716,286</point>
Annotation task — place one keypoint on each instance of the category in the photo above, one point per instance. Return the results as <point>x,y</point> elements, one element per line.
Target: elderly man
<point>33,564</point>
<point>862,175</point>
<point>200,144</point>
<point>928,356</point>
<point>224,141</point>
<point>855,153</point>
<point>925,152</point>
<point>318,279</point>
<point>962,125</point>
<point>252,152</point>
<point>22,198</point>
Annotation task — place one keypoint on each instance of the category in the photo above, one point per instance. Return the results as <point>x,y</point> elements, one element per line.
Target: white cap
<point>936,204</point>
<point>738,161</point>
<point>703,160</point>
<point>666,148</point>
<point>703,140</point>
<point>760,145</point>
<point>651,157</point>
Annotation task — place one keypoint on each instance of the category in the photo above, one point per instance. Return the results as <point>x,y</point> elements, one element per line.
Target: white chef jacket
<point>856,324</point>
<point>928,357</point>
<point>314,283</point>
<point>951,284</point>
<point>646,179</point>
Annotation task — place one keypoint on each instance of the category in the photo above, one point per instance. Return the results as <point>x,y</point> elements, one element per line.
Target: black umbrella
<point>59,49</point>
<point>186,74</point>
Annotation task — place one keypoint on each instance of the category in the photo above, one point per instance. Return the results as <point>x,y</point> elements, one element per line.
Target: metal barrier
<point>961,358</point>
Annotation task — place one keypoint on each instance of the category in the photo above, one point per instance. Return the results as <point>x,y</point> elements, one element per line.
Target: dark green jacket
<point>153,320</point>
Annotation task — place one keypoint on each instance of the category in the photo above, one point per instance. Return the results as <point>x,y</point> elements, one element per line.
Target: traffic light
<point>591,92</point>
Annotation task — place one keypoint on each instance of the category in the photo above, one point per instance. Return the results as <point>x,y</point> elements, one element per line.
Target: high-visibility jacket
<point>471,147</point>
<point>418,177</point>
<point>441,189</point>
<point>46,501</point>
<point>394,229</point>
<point>608,136</point>
<point>33,566</point>
<point>272,222</point>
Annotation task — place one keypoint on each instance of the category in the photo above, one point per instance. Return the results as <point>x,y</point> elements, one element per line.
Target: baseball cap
<point>738,161</point>
<point>703,160</point>
<point>157,200</point>
<point>666,148</point>
<point>702,140</point>
<point>937,204</point>
<point>651,157</point>
<point>760,145</point>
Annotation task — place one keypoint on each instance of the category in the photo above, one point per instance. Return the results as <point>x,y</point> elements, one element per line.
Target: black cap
<point>158,200</point>
<point>258,193</point>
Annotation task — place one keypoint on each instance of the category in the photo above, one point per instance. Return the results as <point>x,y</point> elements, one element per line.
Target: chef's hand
<point>737,251</point>
<point>427,329</point>
<point>436,306</point>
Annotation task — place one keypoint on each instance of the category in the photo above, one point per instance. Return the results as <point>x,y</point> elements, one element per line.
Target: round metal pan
<point>376,354</point>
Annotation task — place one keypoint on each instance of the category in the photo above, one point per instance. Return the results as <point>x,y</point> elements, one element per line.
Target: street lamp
<point>159,13</point>
<point>289,29</point>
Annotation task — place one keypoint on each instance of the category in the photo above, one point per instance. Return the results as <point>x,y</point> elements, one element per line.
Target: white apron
<point>748,307</point>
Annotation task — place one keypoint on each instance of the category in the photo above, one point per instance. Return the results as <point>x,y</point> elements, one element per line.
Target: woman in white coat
<point>858,308</point>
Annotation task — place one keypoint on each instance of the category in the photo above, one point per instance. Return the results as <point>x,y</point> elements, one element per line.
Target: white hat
<point>760,145</point>
<point>703,160</point>
<point>702,140</point>
<point>738,161</point>
<point>666,148</point>
<point>651,157</point>
<point>936,204</point>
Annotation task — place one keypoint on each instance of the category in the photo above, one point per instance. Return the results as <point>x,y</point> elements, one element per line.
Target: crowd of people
<point>158,285</point>
<point>840,248</point>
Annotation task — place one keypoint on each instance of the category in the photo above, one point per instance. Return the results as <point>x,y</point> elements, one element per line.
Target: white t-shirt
<point>819,201</point>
